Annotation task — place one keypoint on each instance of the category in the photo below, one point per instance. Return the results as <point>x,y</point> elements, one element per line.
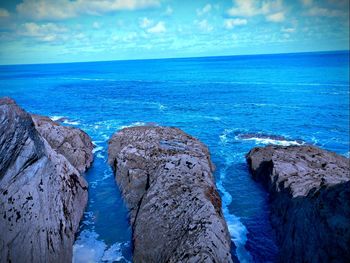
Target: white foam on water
<point>134,124</point>
<point>223,136</point>
<point>113,253</point>
<point>238,231</point>
<point>97,149</point>
<point>162,107</point>
<point>55,118</point>
<point>347,155</point>
<point>100,156</point>
<point>214,118</point>
<point>88,249</point>
<point>71,122</point>
<point>267,141</point>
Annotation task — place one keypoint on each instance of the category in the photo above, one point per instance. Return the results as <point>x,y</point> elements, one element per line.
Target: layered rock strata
<point>310,201</point>
<point>42,195</point>
<point>165,177</point>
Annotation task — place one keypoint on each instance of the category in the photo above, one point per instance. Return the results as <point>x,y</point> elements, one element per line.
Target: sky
<point>55,31</point>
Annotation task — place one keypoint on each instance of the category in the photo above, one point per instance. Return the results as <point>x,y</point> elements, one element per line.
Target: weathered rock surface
<point>71,142</point>
<point>310,201</point>
<point>42,196</point>
<point>166,179</point>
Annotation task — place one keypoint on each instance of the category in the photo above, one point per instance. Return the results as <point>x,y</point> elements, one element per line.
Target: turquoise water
<point>226,102</point>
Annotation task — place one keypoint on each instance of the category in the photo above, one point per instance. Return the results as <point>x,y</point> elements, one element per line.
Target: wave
<point>97,149</point>
<point>64,120</point>
<point>56,118</point>
<point>138,123</point>
<point>266,139</point>
<point>71,122</point>
<point>271,105</point>
<point>88,248</point>
<point>238,231</point>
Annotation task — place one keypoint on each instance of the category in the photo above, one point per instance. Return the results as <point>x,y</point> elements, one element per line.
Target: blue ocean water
<point>220,100</point>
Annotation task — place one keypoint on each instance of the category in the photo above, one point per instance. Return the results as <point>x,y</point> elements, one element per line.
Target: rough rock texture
<point>42,196</point>
<point>310,201</point>
<point>71,142</point>
<point>166,179</point>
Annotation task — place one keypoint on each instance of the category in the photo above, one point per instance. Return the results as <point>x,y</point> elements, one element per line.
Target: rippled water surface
<point>229,103</point>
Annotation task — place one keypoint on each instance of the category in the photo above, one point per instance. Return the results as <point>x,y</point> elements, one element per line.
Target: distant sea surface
<point>230,103</point>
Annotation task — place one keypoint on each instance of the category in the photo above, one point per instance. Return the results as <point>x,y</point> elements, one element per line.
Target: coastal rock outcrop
<point>310,201</point>
<point>165,177</point>
<point>42,196</point>
<point>72,143</point>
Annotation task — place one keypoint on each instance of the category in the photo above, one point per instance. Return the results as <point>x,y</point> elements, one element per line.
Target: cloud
<point>206,9</point>
<point>145,22</point>
<point>307,2</point>
<point>204,25</point>
<point>248,8</point>
<point>63,9</point>
<point>158,28</point>
<point>319,11</point>
<point>232,22</point>
<point>288,30</point>
<point>46,32</point>
<point>96,25</point>
<point>276,17</point>
<point>4,13</point>
<point>169,11</point>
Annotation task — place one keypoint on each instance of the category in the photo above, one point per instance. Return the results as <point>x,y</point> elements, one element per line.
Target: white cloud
<point>4,12</point>
<point>276,17</point>
<point>319,11</point>
<point>288,29</point>
<point>46,32</point>
<point>145,22</point>
<point>204,25</point>
<point>62,9</point>
<point>206,9</point>
<point>231,23</point>
<point>307,2</point>
<point>158,28</point>
<point>169,11</point>
<point>96,25</point>
<point>248,8</point>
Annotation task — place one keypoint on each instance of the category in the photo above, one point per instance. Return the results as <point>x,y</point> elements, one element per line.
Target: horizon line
<point>179,58</point>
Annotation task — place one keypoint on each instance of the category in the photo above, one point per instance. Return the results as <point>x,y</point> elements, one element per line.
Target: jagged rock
<point>71,142</point>
<point>166,180</point>
<point>42,196</point>
<point>310,201</point>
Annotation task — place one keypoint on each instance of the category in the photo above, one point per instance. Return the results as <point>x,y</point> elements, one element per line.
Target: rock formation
<point>71,142</point>
<point>166,180</point>
<point>310,201</point>
<point>42,196</point>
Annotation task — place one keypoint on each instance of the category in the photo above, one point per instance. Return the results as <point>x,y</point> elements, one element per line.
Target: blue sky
<point>48,31</point>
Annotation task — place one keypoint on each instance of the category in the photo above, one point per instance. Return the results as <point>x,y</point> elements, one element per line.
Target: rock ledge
<point>310,201</point>
<point>166,180</point>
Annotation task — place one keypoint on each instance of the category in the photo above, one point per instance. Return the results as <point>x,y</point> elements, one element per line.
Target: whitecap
<point>56,118</point>
<point>238,231</point>
<point>267,141</point>
<point>71,122</point>
<point>88,248</point>
<point>134,124</point>
<point>97,149</point>
<point>100,156</point>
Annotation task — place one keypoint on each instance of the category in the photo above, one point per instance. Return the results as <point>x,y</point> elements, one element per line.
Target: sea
<point>231,104</point>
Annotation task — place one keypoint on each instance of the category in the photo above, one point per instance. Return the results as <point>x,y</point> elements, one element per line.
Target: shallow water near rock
<point>300,98</point>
